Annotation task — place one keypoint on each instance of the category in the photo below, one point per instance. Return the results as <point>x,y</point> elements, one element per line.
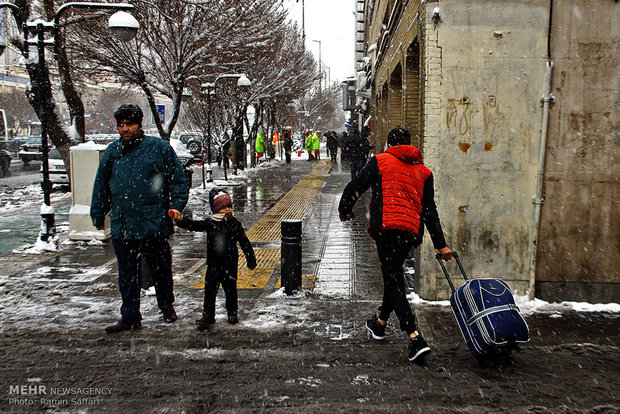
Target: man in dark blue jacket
<point>139,179</point>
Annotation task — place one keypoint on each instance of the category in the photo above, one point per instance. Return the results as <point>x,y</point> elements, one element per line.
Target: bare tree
<point>321,109</point>
<point>40,92</point>
<point>179,41</point>
<point>279,77</point>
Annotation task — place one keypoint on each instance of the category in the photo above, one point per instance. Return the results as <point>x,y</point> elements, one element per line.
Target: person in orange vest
<point>402,205</point>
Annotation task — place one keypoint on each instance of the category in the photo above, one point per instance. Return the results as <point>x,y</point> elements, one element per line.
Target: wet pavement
<point>304,353</point>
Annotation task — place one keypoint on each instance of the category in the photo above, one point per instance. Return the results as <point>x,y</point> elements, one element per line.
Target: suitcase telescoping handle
<point>445,271</point>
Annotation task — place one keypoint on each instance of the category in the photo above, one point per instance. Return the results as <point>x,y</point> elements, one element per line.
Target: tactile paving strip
<point>266,260</point>
<point>307,282</point>
<point>293,206</point>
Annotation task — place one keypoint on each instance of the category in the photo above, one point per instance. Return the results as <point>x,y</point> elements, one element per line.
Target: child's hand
<point>175,215</point>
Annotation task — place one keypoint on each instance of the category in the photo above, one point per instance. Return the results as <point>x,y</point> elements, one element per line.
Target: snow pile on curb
<point>528,307</point>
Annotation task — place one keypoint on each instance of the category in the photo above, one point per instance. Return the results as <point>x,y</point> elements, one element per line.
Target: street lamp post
<point>320,68</point>
<point>122,25</point>
<point>211,89</point>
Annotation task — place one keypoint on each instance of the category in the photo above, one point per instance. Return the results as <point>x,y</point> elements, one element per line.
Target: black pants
<point>211,287</point>
<point>129,254</point>
<point>333,154</point>
<point>393,247</point>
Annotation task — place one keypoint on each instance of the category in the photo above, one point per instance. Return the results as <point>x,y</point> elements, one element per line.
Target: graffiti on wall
<point>494,118</point>
<point>459,115</point>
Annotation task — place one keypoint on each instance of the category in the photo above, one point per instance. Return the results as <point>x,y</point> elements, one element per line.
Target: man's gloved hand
<point>175,215</point>
<point>345,217</point>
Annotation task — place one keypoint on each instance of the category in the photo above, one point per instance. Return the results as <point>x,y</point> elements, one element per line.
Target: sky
<point>332,22</point>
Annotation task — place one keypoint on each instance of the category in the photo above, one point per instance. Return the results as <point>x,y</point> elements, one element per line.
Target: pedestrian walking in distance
<point>402,204</point>
<point>224,232</point>
<point>356,147</point>
<point>309,146</point>
<point>288,146</point>
<point>332,144</point>
<point>139,179</point>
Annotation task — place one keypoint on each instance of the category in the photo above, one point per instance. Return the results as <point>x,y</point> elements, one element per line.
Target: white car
<point>183,154</point>
<point>58,172</point>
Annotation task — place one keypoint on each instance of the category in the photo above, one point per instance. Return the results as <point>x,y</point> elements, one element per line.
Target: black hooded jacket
<point>222,239</point>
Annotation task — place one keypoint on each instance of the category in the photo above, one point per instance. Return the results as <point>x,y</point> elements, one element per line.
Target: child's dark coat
<point>222,253</point>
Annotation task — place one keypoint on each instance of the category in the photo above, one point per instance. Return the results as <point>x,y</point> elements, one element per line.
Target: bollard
<point>209,175</point>
<point>48,226</point>
<point>291,255</point>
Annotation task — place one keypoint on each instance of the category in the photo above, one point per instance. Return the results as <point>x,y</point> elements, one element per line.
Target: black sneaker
<point>418,349</point>
<point>169,315</point>
<point>204,323</point>
<point>375,328</point>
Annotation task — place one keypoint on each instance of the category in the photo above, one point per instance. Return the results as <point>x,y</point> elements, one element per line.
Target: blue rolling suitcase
<point>487,315</point>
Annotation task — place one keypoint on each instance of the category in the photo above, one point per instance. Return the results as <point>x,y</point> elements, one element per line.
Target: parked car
<point>185,157</point>
<point>103,139</point>
<point>192,141</point>
<point>15,143</point>
<point>57,171</point>
<point>5,162</point>
<point>31,150</point>
<point>183,154</point>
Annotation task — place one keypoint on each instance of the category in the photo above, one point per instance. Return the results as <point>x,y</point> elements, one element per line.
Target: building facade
<point>514,105</point>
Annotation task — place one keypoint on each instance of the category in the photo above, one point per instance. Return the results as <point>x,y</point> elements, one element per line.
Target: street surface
<point>306,353</point>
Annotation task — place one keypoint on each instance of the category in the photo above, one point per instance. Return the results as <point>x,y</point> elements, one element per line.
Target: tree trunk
<point>41,99</point>
<point>151,99</point>
<point>72,96</point>
<point>258,119</point>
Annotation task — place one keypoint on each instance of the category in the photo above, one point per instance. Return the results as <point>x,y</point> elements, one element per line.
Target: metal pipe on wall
<point>547,99</point>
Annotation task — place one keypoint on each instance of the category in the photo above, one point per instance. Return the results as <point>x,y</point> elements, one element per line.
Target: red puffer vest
<point>402,183</point>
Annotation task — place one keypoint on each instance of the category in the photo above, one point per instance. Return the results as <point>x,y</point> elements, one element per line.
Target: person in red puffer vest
<point>402,204</point>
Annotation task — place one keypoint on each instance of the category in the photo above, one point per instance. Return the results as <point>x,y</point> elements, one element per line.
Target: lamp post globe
<point>123,26</point>
<point>244,81</point>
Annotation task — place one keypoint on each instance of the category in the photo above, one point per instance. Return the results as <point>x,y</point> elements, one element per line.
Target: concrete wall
<point>482,71</point>
<point>485,70</point>
<point>580,222</point>
<point>476,98</point>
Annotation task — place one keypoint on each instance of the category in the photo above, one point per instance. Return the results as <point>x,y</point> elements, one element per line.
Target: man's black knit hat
<point>129,112</point>
<point>399,136</point>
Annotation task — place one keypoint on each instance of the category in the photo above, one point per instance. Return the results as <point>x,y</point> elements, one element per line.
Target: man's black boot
<point>121,326</point>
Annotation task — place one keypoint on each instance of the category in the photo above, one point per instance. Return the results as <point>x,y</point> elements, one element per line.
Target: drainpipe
<point>539,199</point>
